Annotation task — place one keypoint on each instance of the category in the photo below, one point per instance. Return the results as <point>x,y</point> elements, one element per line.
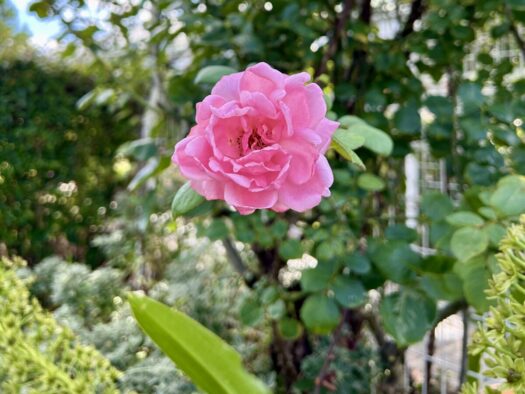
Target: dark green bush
<point>56,176</point>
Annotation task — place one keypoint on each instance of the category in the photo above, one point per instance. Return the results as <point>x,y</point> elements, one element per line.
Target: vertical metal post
<point>443,382</point>
<point>443,181</point>
<point>464,348</point>
<point>424,388</point>
<point>412,190</point>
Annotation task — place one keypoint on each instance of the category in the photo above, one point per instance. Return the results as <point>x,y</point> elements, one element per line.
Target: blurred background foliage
<point>88,128</point>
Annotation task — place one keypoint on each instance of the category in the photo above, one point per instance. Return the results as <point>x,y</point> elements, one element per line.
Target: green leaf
<point>87,33</point>
<point>269,295</point>
<point>212,74</point>
<point>358,263</point>
<point>441,106</point>
<point>447,286</point>
<point>86,100</point>
<point>279,229</point>
<point>464,218</point>
<point>407,119</point>
<point>355,159</point>
<point>290,249</point>
<point>185,200</point>
<point>277,309</point>
<point>290,328</point>
<point>489,213</point>
<point>400,232</point>
<point>471,96</point>
<point>375,140</point>
<point>346,140</point>
<point>508,198</point>
<point>370,182</point>
<point>395,260</point>
<point>320,314</point>
<point>495,232</point>
<point>251,311</point>
<point>213,365</point>
<point>475,276</point>
<point>316,279</point>
<point>407,316</point>
<point>141,149</point>
<point>42,8</point>
<point>501,29</point>
<point>350,293</point>
<point>436,205</point>
<point>518,5</point>
<point>343,142</point>
<point>468,242</point>
<point>329,101</point>
<point>153,167</point>
<point>216,230</point>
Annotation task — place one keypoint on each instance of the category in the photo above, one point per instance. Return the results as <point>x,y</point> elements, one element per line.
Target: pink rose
<point>259,142</point>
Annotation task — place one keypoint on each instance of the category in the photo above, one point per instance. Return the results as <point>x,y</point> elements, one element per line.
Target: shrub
<point>56,177</point>
<point>39,355</point>
<point>499,340</point>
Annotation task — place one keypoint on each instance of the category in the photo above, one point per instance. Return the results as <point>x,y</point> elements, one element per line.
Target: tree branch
<point>514,30</point>
<point>416,11</point>
<point>366,11</point>
<point>431,347</point>
<point>236,261</point>
<point>337,34</point>
<point>319,380</point>
<point>464,348</point>
<point>449,310</point>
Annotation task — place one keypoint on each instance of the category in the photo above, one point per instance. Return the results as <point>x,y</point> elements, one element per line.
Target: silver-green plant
<point>38,355</point>
<point>500,339</point>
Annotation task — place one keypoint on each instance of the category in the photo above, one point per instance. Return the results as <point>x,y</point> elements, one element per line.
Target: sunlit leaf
<point>407,316</point>
<point>468,242</point>
<point>320,314</point>
<point>185,200</point>
<point>213,365</point>
<point>212,74</point>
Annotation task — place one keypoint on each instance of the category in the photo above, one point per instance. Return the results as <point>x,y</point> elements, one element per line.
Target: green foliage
<point>90,294</point>
<point>353,370</point>
<point>56,177</point>
<point>499,339</point>
<point>377,86</point>
<point>39,355</point>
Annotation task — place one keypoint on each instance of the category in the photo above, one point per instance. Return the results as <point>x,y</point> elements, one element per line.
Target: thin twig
<point>416,12</point>
<point>514,30</point>
<point>337,34</point>
<point>237,263</point>
<point>431,347</point>
<point>329,353</point>
<point>449,310</point>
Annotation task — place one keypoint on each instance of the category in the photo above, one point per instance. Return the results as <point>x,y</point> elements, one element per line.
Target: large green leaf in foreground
<point>213,365</point>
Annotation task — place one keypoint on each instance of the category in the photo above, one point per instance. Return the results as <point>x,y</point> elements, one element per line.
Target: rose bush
<point>259,142</point>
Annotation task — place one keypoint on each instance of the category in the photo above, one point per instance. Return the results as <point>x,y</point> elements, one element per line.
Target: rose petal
<point>228,87</point>
<point>308,195</point>
<point>242,197</point>
<point>325,129</point>
<point>261,78</point>
<point>204,108</point>
<point>303,157</point>
<point>209,189</point>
